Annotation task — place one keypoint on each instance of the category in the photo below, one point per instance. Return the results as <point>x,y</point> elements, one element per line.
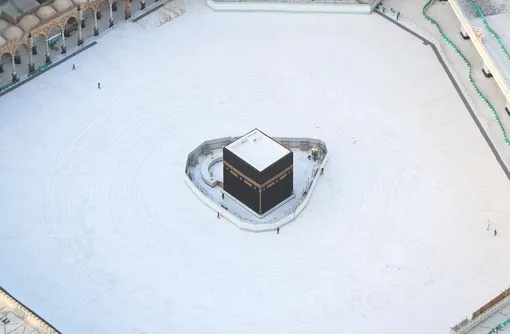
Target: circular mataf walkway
<point>101,235</point>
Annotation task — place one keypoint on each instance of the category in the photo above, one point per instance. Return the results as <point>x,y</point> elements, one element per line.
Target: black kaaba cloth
<point>258,171</point>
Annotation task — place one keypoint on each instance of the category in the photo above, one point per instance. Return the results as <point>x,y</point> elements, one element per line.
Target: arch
<point>55,39</point>
<point>88,19</point>
<point>5,68</point>
<point>39,44</point>
<point>22,47</point>
<point>6,53</point>
<point>21,53</point>
<point>101,7</point>
<point>71,26</point>
<point>39,48</point>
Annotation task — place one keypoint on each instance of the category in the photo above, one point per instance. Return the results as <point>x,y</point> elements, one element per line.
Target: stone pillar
<point>80,35</point>
<point>127,10</point>
<point>142,4</point>
<point>463,32</point>
<point>98,14</point>
<point>81,19</point>
<point>486,71</point>
<point>96,30</point>
<point>48,58</point>
<point>31,65</point>
<point>111,15</point>
<point>17,57</point>
<point>14,74</point>
<point>80,26</point>
<point>64,48</point>
<point>114,6</point>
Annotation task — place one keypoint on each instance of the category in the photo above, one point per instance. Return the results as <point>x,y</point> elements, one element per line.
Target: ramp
<point>164,14</point>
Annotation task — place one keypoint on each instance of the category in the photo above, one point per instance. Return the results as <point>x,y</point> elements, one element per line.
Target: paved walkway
<point>444,15</point>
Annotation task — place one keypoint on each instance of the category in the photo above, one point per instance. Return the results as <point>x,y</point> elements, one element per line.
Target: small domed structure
<point>27,22</point>
<point>61,5</point>
<point>3,25</point>
<point>2,41</point>
<point>13,33</point>
<point>79,2</point>
<point>45,12</point>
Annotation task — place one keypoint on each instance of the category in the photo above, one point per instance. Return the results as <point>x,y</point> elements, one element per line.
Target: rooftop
<point>257,149</point>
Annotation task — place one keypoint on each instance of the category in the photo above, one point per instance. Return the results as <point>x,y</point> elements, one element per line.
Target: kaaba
<point>258,171</point>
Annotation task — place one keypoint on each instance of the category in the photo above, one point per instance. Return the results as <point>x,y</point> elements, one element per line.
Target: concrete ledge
<point>293,7</point>
<point>261,227</point>
<point>29,315</point>
<point>291,197</point>
<point>27,78</point>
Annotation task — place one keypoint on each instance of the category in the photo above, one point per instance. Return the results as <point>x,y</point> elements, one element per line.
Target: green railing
<point>40,69</point>
<point>499,327</point>
<point>461,55</point>
<point>494,34</point>
<point>10,84</point>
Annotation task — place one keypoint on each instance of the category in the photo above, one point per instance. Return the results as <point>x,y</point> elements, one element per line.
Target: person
<point>495,232</point>
<point>222,195</point>
<point>98,85</point>
<point>322,171</point>
<point>218,216</point>
<point>488,226</point>
<point>278,230</point>
<point>74,67</point>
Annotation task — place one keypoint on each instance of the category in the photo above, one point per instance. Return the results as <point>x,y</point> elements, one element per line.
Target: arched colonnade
<point>52,26</point>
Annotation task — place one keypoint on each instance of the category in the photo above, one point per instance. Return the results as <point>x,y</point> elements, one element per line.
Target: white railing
<point>304,6</point>
<point>482,51</point>
<point>243,222</point>
<point>466,325</point>
<point>28,316</point>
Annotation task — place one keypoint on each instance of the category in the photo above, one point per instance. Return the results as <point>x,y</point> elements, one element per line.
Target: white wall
<point>291,7</point>
<point>262,227</point>
<point>29,316</point>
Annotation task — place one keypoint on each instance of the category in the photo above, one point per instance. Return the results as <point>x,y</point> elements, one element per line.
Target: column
<point>80,32</point>
<point>96,30</point>
<point>80,18</point>
<point>127,9</point>
<point>486,71</point>
<point>14,74</point>
<point>48,58</point>
<point>111,14</point>
<point>463,32</point>
<point>142,4</point>
<point>31,65</point>
<point>64,48</point>
<point>114,6</point>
